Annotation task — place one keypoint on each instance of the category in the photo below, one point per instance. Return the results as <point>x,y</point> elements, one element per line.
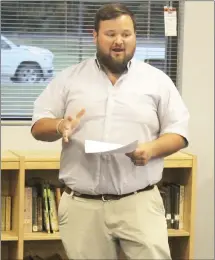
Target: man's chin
<point>118,67</point>
<point>119,58</point>
<point>113,63</point>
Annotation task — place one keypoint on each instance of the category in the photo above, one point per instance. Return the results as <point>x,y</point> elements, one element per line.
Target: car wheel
<point>28,73</point>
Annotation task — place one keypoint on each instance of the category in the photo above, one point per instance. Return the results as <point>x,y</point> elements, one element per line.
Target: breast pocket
<point>137,107</point>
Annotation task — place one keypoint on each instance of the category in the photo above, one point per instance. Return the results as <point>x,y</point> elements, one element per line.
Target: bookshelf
<point>12,173</point>
<point>23,165</point>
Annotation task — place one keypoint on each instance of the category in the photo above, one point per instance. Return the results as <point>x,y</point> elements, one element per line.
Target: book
<point>53,218</point>
<point>46,219</point>
<point>34,209</point>
<point>41,206</point>
<point>8,213</point>
<point>3,213</point>
<point>40,213</point>
<point>173,200</point>
<point>28,210</point>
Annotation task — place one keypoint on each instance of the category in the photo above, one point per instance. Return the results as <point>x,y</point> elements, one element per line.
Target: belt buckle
<point>103,198</point>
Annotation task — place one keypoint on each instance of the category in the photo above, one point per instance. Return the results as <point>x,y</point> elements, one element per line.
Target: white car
<point>25,64</point>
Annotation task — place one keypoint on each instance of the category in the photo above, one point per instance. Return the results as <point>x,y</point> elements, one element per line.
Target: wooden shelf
<point>41,236</point>
<point>178,160</point>
<point>9,161</point>
<point>39,159</point>
<point>51,159</point>
<point>9,236</point>
<point>56,236</point>
<point>178,233</point>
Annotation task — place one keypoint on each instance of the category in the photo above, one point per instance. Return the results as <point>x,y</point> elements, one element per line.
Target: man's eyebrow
<point>110,30</point>
<point>127,30</point>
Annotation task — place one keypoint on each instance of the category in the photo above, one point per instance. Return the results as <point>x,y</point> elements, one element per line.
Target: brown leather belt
<point>106,197</point>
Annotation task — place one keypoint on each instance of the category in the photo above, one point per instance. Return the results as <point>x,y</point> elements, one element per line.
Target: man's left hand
<point>141,155</point>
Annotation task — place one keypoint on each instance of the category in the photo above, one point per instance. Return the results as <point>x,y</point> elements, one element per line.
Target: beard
<point>113,65</point>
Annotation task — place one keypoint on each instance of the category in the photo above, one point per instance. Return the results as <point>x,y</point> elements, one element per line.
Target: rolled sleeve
<point>50,103</point>
<point>172,111</point>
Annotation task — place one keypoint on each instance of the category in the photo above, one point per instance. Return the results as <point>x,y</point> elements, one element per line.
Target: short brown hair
<point>112,11</point>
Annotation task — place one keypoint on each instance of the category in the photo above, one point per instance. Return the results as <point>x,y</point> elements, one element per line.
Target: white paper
<point>170,21</point>
<point>103,147</point>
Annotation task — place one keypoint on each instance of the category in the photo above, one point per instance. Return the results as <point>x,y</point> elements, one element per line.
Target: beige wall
<point>198,93</point>
<point>197,90</point>
<point>19,137</point>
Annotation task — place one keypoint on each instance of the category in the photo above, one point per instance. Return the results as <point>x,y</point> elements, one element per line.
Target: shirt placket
<point>110,109</point>
<point>106,133</point>
<point>106,160</point>
<point>108,114</point>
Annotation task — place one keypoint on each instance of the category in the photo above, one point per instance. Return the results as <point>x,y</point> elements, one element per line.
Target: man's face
<point>116,43</point>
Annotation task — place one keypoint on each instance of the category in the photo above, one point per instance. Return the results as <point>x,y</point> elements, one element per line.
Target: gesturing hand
<point>141,155</point>
<point>67,125</point>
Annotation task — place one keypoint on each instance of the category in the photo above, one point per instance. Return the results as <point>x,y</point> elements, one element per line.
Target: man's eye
<point>111,34</point>
<point>125,35</point>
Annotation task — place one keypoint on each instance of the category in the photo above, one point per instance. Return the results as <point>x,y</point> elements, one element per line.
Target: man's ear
<point>95,35</point>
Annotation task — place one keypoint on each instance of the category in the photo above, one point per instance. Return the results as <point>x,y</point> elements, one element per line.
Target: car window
<point>4,45</point>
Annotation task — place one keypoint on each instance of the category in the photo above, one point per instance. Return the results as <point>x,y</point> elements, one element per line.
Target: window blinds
<point>40,38</point>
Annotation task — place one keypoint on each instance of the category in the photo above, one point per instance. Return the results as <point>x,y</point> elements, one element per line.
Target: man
<point>112,200</point>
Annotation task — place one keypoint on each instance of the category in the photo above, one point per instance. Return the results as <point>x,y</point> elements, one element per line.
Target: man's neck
<point>113,77</point>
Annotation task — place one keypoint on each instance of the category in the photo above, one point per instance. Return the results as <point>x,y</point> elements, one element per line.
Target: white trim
<point>180,46</point>
<point>16,123</point>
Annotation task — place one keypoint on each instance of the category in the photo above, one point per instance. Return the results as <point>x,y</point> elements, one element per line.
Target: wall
<point>19,137</point>
<point>197,91</point>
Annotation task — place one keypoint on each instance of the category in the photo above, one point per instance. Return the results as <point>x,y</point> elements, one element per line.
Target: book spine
<point>3,213</point>
<point>57,196</point>
<point>53,212</point>
<point>181,207</point>
<point>34,210</point>
<point>40,213</point>
<point>28,210</point>
<point>169,218</point>
<point>8,214</point>
<point>176,198</point>
<point>46,210</point>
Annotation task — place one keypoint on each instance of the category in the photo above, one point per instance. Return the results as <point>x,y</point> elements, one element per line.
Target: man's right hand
<point>68,125</point>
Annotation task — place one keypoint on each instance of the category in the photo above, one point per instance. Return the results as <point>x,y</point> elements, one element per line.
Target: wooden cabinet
<point>19,166</point>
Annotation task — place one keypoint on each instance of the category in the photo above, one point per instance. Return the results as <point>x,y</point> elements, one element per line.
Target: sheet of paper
<point>170,21</point>
<point>103,147</point>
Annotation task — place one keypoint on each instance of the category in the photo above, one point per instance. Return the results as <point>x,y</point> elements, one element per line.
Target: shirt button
<point>105,157</point>
<point>108,158</point>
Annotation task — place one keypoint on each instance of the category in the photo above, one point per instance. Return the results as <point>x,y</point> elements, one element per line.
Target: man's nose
<point>118,40</point>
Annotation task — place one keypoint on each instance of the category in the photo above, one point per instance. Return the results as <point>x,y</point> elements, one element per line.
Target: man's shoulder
<point>83,65</point>
<point>142,65</point>
<point>151,71</point>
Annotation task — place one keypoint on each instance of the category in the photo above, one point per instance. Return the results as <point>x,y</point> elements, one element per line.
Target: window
<point>44,37</point>
<point>158,63</point>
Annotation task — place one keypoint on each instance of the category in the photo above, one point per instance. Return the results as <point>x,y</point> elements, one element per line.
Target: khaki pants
<point>93,229</point>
